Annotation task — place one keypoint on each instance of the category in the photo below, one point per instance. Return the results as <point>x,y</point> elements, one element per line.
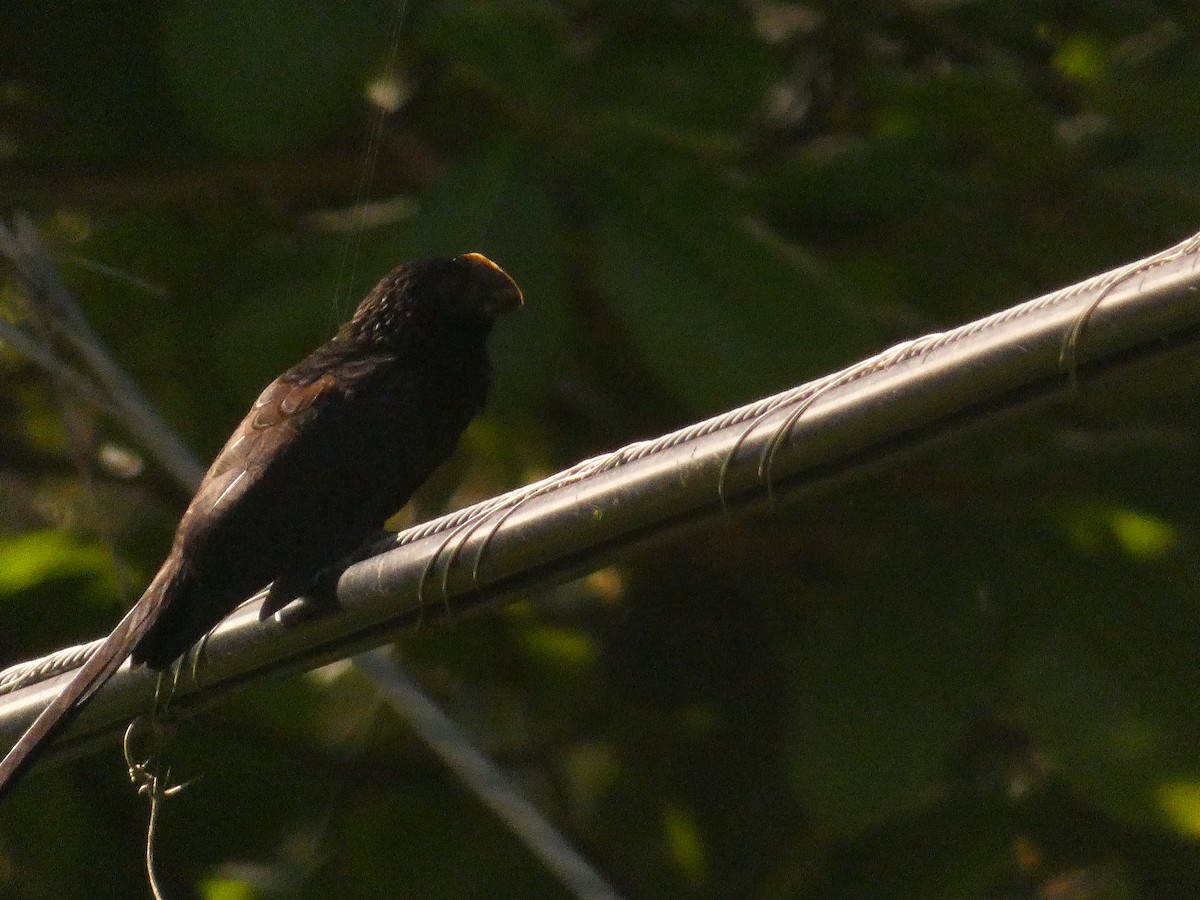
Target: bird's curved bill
<point>501,293</point>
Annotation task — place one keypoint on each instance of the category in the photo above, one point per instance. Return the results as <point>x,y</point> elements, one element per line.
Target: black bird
<point>328,452</point>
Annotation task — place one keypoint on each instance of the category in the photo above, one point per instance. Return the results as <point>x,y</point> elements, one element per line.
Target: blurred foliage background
<point>973,675</point>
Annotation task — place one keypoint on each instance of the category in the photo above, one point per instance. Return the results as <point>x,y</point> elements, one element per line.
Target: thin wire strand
<point>352,248</point>
<point>143,772</point>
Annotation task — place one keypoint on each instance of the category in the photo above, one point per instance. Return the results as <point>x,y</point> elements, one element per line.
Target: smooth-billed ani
<point>329,450</point>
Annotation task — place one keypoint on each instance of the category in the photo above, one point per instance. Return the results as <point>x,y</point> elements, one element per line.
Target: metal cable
<point>579,518</point>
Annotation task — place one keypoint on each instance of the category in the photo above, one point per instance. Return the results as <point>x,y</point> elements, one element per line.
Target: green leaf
<point>515,53</point>
<point>264,76</point>
<point>717,308</point>
<point>646,73</point>
<point>36,557</point>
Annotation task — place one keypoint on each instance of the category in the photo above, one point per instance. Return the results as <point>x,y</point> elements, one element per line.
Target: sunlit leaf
<point>1181,802</point>
<point>1142,535</point>
<point>559,645</point>
<point>686,843</point>
<point>35,557</point>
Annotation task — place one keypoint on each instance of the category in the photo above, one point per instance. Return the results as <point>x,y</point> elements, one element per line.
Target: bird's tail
<point>101,665</point>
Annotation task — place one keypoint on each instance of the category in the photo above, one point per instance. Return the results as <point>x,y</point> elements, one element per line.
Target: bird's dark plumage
<point>330,449</point>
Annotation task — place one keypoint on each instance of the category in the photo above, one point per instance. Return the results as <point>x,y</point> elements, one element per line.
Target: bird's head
<point>462,292</point>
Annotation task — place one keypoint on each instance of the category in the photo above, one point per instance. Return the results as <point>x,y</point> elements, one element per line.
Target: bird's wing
<point>251,443</point>
<point>272,422</point>
<point>273,430</point>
